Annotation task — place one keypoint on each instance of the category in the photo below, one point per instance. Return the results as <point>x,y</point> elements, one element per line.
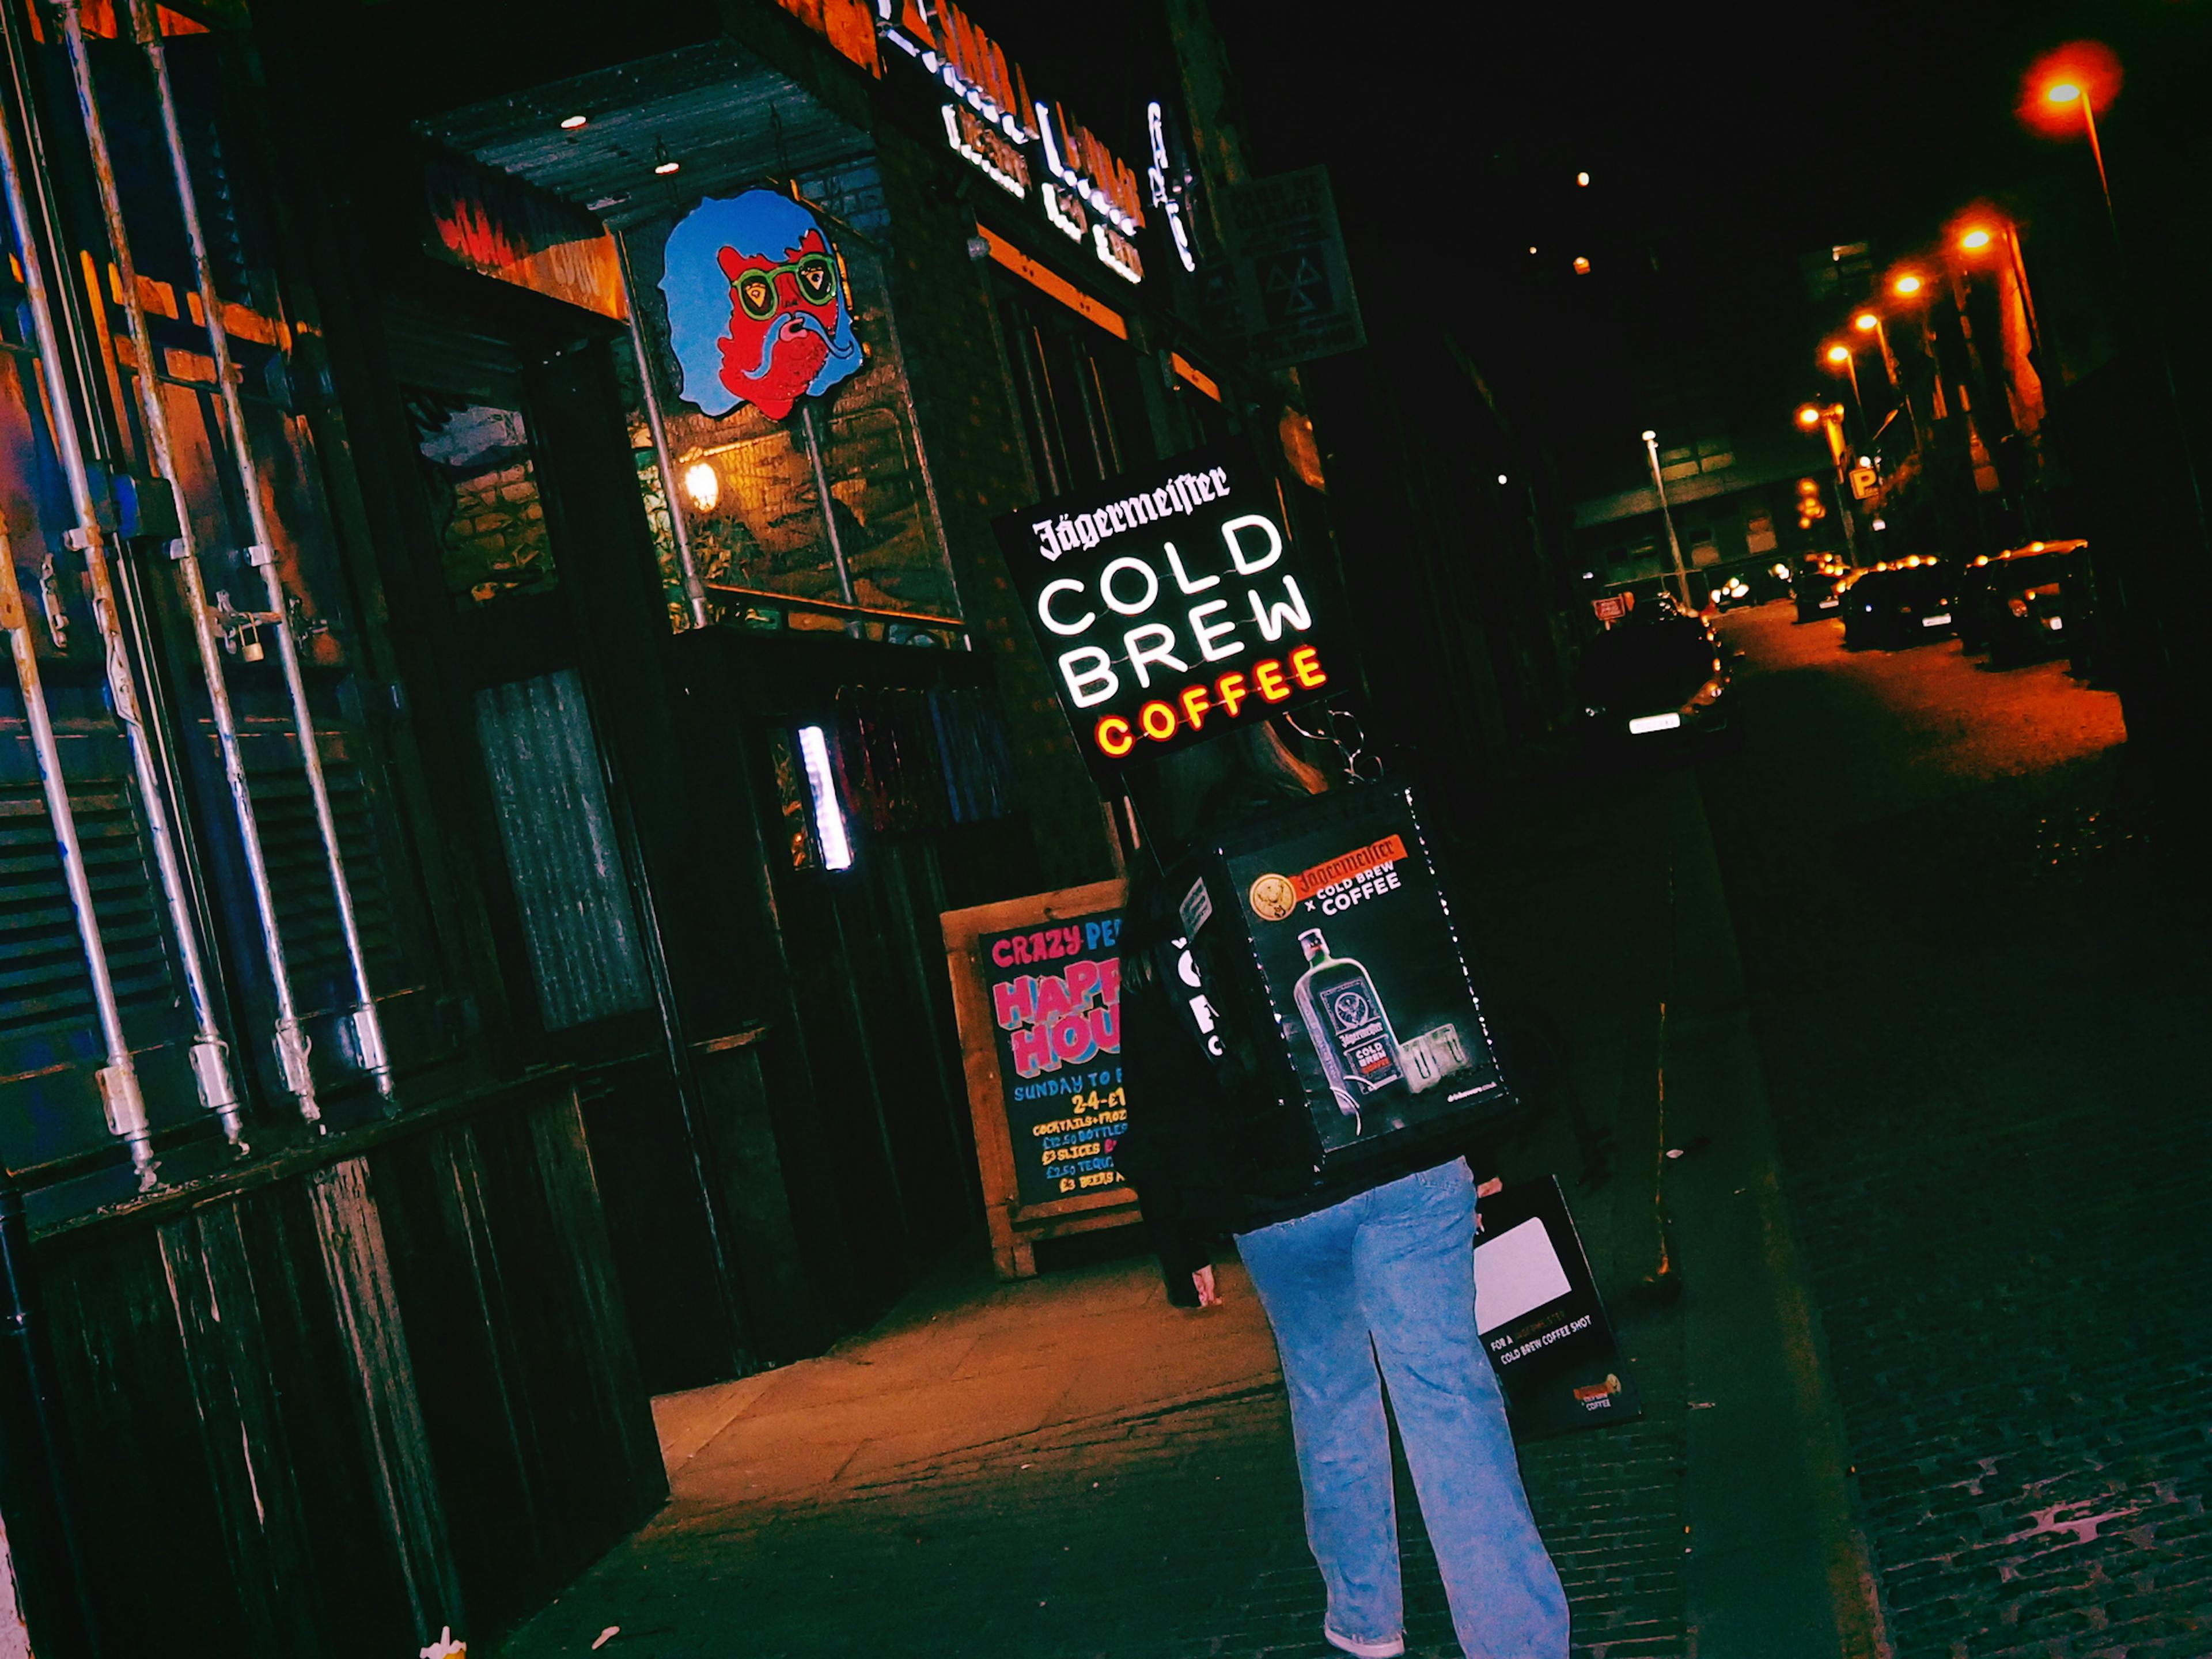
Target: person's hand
<point>1202,1282</point>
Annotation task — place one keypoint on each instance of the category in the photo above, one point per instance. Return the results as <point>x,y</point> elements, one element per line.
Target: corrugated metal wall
<point>561,855</point>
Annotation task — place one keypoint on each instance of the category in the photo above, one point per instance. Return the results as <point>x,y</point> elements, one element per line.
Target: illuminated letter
<point>1248,521</point>
<point>1231,690</point>
<point>1183,578</point>
<point>1158,722</point>
<point>1151,587</point>
<point>1152,642</point>
<point>1068,629</point>
<point>1270,617</point>
<point>1305,668</point>
<point>1194,705</point>
<point>1220,477</point>
<point>1115,736</point>
<point>1090,675</point>
<point>1268,676</point>
<point>1208,632</point>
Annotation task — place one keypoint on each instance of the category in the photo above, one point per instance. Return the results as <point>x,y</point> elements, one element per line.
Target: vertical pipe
<point>291,1043</point>
<point>695,590</point>
<point>828,508</point>
<point>1666,515</point>
<point>118,1079</point>
<point>367,1029</point>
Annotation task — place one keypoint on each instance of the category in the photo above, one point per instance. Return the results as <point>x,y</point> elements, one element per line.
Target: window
<point>483,497</point>
<point>1082,412</point>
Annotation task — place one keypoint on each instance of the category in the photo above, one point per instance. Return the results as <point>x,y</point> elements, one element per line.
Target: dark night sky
<point>1725,140</point>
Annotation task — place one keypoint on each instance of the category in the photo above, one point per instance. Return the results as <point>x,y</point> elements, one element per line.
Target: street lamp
<point>1840,356</point>
<point>1808,415</point>
<point>1674,543</point>
<point>1979,239</point>
<point>1906,285</point>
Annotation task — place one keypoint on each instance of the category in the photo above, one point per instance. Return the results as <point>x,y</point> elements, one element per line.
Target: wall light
<point>703,485</point>
<point>663,162</point>
<point>1582,266</point>
<point>570,123</point>
<point>829,817</point>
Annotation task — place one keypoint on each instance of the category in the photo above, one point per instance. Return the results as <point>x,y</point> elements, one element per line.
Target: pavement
<point>1877,1141</point>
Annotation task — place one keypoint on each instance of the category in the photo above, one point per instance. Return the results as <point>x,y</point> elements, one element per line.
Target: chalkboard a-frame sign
<point>1171,604</point>
<point>1036,991</point>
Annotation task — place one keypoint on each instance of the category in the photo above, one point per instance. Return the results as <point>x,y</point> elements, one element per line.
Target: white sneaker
<point>1390,1649</point>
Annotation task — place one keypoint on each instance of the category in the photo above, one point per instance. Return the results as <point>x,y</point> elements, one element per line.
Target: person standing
<point>1367,1280</point>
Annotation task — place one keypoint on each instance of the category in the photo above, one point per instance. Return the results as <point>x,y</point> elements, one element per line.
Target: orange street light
<point>1808,416</point>
<point>2061,92</point>
<point>1840,354</point>
<point>1975,239</point>
<point>1866,322</point>
<point>1908,285</point>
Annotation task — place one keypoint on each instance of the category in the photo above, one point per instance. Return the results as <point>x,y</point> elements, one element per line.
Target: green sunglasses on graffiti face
<point>815,274</point>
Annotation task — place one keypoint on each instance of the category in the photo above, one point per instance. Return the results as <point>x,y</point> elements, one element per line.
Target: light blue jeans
<point>1390,1272</point>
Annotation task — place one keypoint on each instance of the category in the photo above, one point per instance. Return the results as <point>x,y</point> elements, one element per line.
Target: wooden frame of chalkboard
<point>1019,1218</point>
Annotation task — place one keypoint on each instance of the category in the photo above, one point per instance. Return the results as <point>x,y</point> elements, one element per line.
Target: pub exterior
<point>510,663</point>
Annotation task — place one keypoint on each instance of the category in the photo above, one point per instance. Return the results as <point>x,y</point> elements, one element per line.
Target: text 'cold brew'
<point>1171,605</point>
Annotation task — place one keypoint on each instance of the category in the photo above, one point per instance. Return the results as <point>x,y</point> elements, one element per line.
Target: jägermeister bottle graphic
<point>1350,1028</point>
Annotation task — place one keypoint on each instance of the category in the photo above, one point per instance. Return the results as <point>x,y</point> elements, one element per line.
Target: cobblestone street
<point>1981,999</point>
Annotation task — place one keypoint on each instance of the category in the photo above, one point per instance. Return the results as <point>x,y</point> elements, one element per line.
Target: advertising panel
<point>1055,996</point>
<point>1330,976</point>
<point>1037,988</point>
<point>1537,1310</point>
<point>1170,604</point>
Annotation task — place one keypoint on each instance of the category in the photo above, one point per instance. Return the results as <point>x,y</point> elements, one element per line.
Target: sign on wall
<point>1170,604</point>
<point>1036,988</point>
<point>1293,284</point>
<point>758,307</point>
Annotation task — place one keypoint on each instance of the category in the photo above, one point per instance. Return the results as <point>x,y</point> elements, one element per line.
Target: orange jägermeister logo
<point>1274,897</point>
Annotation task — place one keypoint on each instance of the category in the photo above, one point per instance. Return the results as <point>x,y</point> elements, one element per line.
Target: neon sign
<point>1167,200</point>
<point>1170,604</point>
<point>995,124</point>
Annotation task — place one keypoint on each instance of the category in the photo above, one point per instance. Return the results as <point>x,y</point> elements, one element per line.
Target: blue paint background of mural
<point>756,305</point>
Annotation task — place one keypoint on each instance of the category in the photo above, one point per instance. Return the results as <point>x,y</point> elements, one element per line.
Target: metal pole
<point>1673,545</point>
<point>828,508</point>
<point>2097,154</point>
<point>120,1094</point>
<point>695,591</point>
<point>367,1029</point>
<point>291,1043</point>
<point>119,1080</point>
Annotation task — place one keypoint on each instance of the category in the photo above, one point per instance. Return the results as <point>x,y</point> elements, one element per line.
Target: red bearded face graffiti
<point>758,310</point>
<point>785,317</point>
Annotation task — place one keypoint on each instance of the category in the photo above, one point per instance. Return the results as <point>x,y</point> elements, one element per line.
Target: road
<point>1980,993</point>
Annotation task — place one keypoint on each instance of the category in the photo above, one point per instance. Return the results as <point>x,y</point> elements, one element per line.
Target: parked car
<point>1813,589</point>
<point>1731,592</point>
<point>1900,603</point>
<point>1656,677</point>
<point>2028,603</point>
